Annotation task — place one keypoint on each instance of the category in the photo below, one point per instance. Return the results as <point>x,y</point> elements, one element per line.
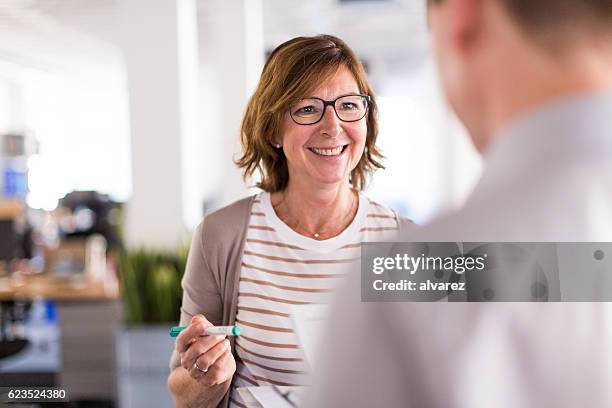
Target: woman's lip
<point>337,157</point>
<point>327,147</point>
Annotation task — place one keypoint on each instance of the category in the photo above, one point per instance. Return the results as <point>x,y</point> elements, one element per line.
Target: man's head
<point>499,58</point>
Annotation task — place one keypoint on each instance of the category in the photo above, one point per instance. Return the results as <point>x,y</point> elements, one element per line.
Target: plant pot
<point>143,356</point>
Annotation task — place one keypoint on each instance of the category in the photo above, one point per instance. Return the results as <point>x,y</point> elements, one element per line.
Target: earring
<point>277,145</point>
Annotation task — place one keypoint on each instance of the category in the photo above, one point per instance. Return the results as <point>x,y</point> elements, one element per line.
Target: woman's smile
<point>328,150</point>
<point>330,153</point>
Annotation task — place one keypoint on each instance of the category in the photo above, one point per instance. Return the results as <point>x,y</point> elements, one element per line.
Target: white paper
<point>309,322</point>
<point>267,397</point>
<point>247,397</point>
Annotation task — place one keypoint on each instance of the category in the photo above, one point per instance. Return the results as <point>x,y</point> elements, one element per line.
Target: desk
<point>42,286</point>
<point>10,209</point>
<point>89,314</point>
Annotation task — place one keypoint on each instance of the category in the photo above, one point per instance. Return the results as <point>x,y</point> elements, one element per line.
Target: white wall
<point>430,164</point>
<point>160,53</point>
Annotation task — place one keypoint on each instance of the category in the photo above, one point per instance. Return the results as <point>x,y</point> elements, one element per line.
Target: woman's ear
<point>274,142</point>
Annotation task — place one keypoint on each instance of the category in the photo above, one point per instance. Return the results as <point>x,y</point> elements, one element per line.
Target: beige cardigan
<point>216,249</point>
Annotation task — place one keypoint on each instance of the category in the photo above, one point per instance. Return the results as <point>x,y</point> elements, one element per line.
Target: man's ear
<point>465,18</point>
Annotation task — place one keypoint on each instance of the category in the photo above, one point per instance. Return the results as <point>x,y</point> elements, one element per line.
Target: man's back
<point>548,178</point>
<point>531,81</point>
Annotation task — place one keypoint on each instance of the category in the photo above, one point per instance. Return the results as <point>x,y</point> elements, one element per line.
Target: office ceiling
<point>81,35</point>
<point>34,33</point>
<point>391,30</point>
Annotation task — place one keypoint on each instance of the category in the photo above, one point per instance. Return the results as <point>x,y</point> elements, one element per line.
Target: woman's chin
<point>330,180</point>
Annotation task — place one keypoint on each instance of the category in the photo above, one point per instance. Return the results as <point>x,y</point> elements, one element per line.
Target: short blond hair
<point>551,23</point>
<point>293,71</point>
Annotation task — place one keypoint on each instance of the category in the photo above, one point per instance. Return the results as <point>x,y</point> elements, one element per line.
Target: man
<point>532,82</point>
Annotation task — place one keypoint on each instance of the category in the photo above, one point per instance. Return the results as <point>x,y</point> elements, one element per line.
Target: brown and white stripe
<point>281,268</point>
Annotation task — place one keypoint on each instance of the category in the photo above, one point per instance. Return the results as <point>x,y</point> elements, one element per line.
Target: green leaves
<point>151,284</point>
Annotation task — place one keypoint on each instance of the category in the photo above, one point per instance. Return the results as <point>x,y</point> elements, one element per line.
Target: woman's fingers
<point>195,329</point>
<point>212,353</point>
<point>207,360</point>
<point>221,370</point>
<point>199,347</point>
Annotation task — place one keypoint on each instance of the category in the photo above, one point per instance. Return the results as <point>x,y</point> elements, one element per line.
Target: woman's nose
<point>330,124</point>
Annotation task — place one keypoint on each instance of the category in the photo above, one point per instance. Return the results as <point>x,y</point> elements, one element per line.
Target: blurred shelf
<point>48,287</point>
<point>10,209</point>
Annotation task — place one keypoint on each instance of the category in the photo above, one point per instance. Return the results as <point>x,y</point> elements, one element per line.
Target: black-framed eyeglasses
<point>348,108</point>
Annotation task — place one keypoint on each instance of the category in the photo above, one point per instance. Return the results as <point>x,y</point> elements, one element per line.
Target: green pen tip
<point>174,331</point>
<point>236,331</point>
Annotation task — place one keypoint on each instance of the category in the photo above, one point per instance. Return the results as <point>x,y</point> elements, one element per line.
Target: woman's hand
<point>212,354</point>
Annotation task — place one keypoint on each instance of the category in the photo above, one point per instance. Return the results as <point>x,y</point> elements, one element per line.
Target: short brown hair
<point>541,18</point>
<point>294,70</point>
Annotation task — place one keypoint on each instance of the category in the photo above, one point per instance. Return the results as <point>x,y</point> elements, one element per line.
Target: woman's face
<point>325,152</point>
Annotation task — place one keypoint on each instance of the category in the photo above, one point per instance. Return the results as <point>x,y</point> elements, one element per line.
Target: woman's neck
<point>319,213</point>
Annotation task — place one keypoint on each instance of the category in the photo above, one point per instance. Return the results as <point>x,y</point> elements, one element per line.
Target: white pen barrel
<point>223,331</point>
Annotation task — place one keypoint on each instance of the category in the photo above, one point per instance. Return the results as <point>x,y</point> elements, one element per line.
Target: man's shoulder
<point>538,211</point>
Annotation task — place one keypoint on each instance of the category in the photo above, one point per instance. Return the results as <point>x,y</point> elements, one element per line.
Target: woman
<point>310,129</point>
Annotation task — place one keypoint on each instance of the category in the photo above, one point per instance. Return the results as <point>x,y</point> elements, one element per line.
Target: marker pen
<point>210,331</point>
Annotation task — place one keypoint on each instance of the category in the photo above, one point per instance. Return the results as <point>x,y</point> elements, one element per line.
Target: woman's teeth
<point>327,152</point>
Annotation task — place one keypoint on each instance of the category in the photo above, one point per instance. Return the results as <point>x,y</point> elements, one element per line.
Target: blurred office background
<point>118,125</point>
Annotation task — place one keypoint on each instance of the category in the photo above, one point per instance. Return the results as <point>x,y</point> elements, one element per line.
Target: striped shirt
<point>281,268</point>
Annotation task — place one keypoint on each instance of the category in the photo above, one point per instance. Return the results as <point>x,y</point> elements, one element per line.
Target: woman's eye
<point>349,106</point>
<point>306,110</point>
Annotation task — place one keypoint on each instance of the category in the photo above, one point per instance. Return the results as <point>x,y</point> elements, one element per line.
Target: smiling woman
<point>310,128</point>
<point>300,74</point>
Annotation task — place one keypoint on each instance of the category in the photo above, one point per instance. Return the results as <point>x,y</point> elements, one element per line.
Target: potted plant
<point>151,290</point>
